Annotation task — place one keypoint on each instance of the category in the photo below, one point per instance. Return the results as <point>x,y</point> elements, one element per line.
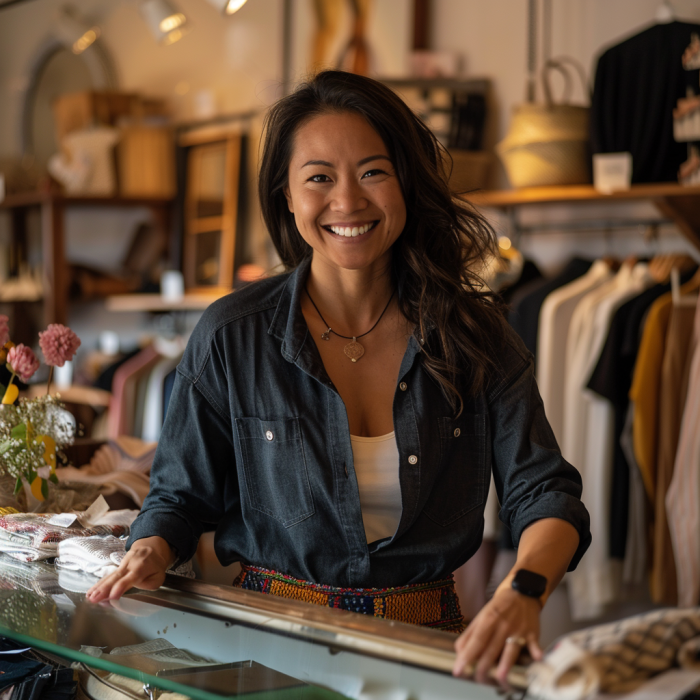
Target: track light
<point>166,23</point>
<point>228,7</point>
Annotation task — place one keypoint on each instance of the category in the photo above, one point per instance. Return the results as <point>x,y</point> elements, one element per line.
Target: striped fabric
<point>433,604</point>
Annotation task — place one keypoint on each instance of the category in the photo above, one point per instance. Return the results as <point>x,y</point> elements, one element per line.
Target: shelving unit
<point>53,206</point>
<point>154,303</point>
<point>676,203</point>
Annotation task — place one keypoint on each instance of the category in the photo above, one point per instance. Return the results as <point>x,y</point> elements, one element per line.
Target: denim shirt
<point>256,444</point>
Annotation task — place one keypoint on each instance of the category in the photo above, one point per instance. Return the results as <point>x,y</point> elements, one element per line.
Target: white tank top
<point>377,470</point>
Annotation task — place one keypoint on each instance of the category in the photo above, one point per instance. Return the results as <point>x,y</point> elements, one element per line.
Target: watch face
<point>529,583</point>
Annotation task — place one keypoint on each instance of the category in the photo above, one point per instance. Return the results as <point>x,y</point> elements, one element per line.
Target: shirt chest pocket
<point>276,478</point>
<point>462,482</point>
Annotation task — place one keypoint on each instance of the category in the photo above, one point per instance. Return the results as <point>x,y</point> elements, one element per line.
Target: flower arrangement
<point>32,430</point>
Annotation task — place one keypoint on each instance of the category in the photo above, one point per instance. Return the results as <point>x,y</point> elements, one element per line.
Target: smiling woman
<point>339,423</point>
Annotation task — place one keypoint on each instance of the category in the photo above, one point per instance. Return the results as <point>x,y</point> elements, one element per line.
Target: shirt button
<point>403,386</point>
<point>269,435</point>
<point>413,459</point>
<point>457,432</point>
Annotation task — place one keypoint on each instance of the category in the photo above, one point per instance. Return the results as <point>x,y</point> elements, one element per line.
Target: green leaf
<point>53,479</point>
<point>5,446</point>
<point>18,485</point>
<point>19,431</point>
<point>3,389</point>
<point>44,488</point>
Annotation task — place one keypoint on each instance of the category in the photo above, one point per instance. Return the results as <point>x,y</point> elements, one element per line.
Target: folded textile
<point>120,465</point>
<point>30,537</point>
<point>617,657</point>
<point>100,555</point>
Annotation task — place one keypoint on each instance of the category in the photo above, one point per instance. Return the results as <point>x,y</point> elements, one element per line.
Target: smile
<point>351,231</point>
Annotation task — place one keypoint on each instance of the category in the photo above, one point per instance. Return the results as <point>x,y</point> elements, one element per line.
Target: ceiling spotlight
<point>228,7</point>
<point>166,23</point>
<point>75,32</point>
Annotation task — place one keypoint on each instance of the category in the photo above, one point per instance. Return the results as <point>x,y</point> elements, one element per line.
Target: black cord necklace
<point>353,349</point>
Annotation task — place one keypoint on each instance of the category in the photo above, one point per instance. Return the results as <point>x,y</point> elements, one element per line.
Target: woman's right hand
<point>144,566</point>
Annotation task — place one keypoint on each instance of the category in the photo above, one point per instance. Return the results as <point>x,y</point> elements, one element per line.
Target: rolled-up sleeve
<point>193,479</point>
<point>532,478</point>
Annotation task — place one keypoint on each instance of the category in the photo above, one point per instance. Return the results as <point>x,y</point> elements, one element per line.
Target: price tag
<point>62,519</point>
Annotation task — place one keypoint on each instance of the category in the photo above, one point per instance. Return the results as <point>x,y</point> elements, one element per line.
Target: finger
<point>473,648</point>
<point>125,583</point>
<point>463,638</point>
<point>511,652</point>
<point>488,659</point>
<point>533,646</point>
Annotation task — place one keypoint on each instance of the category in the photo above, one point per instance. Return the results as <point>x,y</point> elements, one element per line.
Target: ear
<point>288,195</point>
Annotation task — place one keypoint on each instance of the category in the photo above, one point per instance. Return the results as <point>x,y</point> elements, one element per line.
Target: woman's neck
<point>350,300</point>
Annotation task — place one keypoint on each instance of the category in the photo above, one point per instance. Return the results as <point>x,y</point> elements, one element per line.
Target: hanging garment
<point>611,379</point>
<point>153,401</point>
<point>637,85</point>
<point>524,316</point>
<point>634,568</point>
<point>683,496</point>
<point>122,405</point>
<point>595,583</point>
<point>664,586</point>
<point>555,317</point>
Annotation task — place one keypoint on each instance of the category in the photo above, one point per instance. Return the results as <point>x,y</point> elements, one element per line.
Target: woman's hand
<point>508,615</point>
<point>144,566</point>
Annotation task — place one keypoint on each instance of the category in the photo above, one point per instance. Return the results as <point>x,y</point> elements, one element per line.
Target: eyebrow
<point>361,162</point>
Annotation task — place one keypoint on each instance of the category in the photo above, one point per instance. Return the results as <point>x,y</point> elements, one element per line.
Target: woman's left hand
<point>496,634</point>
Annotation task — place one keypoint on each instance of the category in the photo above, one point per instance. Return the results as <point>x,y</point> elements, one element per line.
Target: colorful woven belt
<point>433,604</point>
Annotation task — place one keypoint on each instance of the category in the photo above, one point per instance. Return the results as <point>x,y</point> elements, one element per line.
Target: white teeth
<point>349,232</point>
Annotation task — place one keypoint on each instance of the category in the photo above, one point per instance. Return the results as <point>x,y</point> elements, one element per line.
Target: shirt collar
<point>288,324</point>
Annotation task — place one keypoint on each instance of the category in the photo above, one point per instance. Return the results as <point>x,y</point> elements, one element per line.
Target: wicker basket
<point>548,144</point>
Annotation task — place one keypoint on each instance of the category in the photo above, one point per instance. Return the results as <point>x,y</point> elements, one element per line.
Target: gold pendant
<point>326,335</point>
<point>354,350</point>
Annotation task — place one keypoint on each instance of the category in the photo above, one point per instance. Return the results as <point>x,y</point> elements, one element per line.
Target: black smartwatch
<point>529,583</point>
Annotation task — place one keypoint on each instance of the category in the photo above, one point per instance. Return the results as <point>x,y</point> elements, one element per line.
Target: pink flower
<point>4,329</point>
<point>59,344</point>
<point>23,361</point>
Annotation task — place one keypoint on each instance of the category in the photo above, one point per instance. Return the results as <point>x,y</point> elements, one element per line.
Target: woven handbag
<point>548,144</point>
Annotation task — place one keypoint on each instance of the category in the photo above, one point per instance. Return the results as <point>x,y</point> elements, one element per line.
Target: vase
<point>34,505</point>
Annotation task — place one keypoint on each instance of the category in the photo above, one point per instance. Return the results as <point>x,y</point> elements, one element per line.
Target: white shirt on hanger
<point>555,319</point>
<point>596,580</point>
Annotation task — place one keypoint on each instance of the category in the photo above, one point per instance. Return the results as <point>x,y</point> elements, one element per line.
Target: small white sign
<point>62,519</point>
<point>612,172</point>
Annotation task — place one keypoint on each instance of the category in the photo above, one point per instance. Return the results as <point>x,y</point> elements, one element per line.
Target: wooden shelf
<point>72,394</point>
<point>53,204</point>
<point>679,203</point>
<point>156,303</point>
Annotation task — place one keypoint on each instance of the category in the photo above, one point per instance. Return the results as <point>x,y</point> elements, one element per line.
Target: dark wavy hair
<point>444,243</point>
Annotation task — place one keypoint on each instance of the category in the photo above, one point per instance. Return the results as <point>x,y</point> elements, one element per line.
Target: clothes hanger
<point>684,296</point>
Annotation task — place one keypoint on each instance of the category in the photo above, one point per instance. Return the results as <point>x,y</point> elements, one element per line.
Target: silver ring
<point>520,641</point>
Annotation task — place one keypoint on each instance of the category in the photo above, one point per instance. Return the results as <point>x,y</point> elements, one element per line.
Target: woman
<point>338,424</point>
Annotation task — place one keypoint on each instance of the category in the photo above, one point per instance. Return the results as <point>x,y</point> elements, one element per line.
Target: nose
<point>348,197</point>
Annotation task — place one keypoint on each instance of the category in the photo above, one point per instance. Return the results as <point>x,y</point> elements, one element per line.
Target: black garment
<point>612,379</point>
<point>529,274</point>
<point>524,317</point>
<point>637,85</point>
<point>257,441</point>
<point>104,381</point>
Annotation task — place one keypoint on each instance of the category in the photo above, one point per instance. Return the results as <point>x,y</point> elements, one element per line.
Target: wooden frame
<point>229,145</point>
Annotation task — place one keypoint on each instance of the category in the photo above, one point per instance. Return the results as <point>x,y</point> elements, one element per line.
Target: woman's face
<point>344,192</point>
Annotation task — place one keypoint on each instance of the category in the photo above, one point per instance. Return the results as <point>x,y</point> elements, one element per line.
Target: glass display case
<point>208,642</point>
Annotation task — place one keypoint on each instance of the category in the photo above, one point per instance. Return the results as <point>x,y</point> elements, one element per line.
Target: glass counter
<point>209,642</point>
